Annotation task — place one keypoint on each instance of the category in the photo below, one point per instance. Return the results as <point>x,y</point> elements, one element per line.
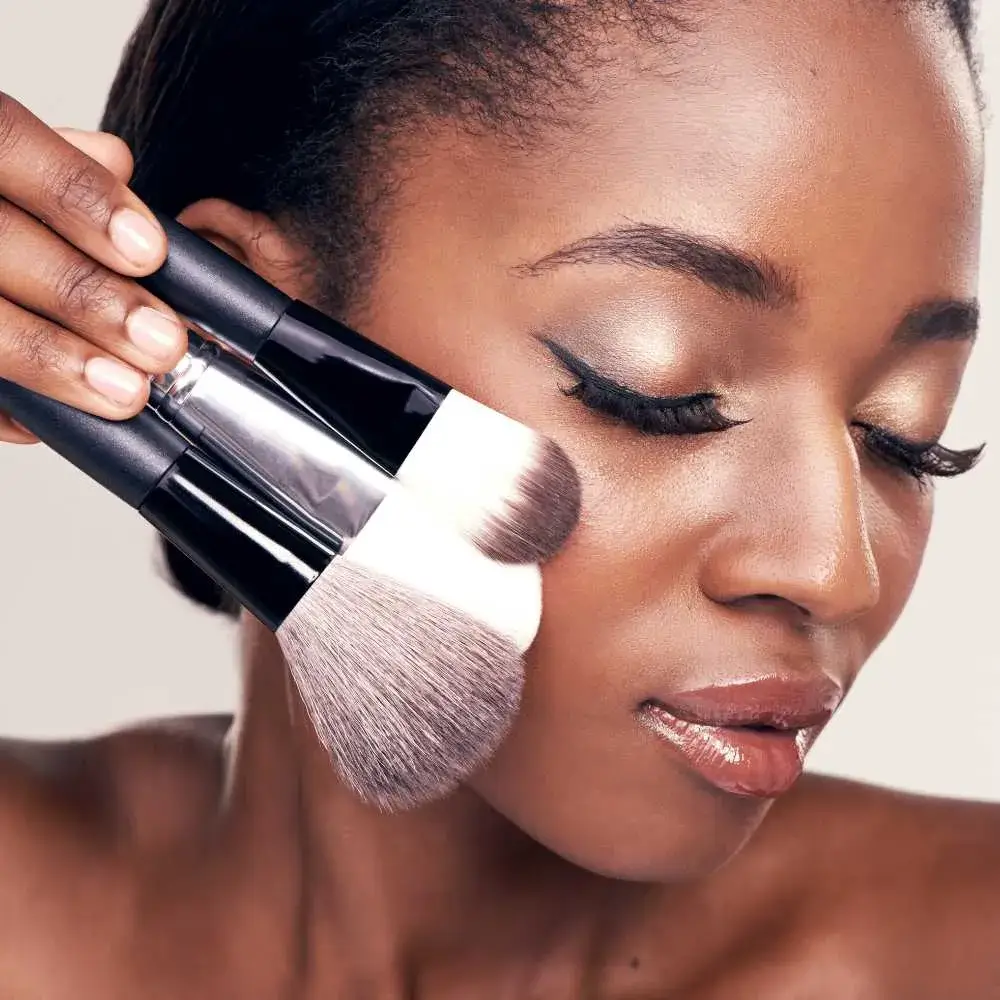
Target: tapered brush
<point>403,641</point>
<point>244,421</point>
<point>514,492</point>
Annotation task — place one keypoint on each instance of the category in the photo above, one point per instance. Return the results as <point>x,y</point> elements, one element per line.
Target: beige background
<point>91,638</point>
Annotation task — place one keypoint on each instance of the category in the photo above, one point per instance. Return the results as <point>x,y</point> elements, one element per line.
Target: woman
<point>584,214</point>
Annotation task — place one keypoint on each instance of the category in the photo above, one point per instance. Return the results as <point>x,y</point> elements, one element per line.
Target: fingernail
<point>135,237</point>
<point>112,379</point>
<point>154,333</point>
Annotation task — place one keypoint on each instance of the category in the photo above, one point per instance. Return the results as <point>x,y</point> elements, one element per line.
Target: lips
<point>748,739</point>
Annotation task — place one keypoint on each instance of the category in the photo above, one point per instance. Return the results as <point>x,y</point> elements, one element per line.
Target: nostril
<point>823,576</point>
<point>768,601</point>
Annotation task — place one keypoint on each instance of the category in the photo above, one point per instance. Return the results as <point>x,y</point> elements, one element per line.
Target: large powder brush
<point>404,641</point>
<point>512,491</point>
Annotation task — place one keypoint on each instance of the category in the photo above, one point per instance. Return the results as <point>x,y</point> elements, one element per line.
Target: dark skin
<point>209,860</point>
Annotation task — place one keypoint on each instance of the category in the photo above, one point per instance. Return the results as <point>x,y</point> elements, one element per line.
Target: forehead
<point>831,131</point>
<point>839,97</point>
<point>797,129</point>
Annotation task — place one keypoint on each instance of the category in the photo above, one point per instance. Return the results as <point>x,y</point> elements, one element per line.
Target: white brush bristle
<point>406,541</point>
<point>512,492</point>
<point>407,695</point>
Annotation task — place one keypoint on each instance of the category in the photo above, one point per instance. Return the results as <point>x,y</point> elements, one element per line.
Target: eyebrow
<point>944,320</point>
<point>736,274</point>
<point>729,271</point>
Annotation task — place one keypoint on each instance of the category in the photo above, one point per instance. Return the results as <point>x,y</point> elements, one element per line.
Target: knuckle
<point>7,214</point>
<point>83,291</point>
<point>83,190</point>
<point>35,351</point>
<point>9,120</point>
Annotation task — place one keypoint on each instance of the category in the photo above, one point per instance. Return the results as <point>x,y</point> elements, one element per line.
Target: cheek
<point>899,528</point>
<point>623,608</point>
<point>635,550</point>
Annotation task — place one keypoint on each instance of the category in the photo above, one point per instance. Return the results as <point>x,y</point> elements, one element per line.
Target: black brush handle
<point>231,533</point>
<point>373,398</point>
<point>261,556</point>
<point>128,458</point>
<point>215,291</point>
<point>378,402</point>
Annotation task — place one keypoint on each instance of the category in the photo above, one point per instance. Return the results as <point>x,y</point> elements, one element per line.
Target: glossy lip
<point>748,739</point>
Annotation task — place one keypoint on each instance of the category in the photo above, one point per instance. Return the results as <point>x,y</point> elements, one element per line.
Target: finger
<point>11,432</point>
<point>108,150</point>
<point>47,276</point>
<point>75,195</point>
<point>45,358</point>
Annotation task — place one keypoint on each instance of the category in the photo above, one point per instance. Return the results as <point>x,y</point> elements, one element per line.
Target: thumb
<point>12,432</point>
<point>108,150</point>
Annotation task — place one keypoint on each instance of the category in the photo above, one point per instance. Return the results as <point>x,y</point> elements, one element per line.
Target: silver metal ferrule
<point>174,387</point>
<point>237,416</point>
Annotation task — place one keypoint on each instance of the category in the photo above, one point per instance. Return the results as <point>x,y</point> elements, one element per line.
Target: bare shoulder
<point>920,844</point>
<point>903,889</point>
<point>125,785</point>
<point>76,820</point>
<point>846,892</point>
<point>74,815</point>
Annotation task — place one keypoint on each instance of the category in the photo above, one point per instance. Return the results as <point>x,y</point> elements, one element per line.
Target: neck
<point>407,896</point>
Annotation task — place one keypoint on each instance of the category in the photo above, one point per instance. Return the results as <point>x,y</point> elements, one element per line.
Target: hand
<point>72,324</point>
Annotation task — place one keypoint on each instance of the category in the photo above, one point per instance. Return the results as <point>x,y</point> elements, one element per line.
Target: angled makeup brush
<point>514,492</point>
<point>245,421</point>
<point>408,681</point>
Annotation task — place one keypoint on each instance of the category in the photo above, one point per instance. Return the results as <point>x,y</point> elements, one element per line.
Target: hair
<point>962,14</point>
<point>293,107</point>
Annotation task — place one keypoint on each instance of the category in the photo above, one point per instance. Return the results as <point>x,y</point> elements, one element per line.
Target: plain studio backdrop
<point>92,638</point>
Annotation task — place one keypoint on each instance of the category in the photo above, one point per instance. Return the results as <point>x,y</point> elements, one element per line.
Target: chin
<point>666,838</point>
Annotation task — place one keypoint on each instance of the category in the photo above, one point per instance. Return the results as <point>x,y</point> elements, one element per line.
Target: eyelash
<point>699,414</point>
<point>652,415</point>
<point>922,461</point>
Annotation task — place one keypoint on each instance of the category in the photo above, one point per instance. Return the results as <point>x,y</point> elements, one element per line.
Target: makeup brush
<point>513,491</point>
<point>391,636</point>
<point>249,428</point>
<point>244,421</point>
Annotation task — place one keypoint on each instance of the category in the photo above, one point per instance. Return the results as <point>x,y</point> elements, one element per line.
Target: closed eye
<point>699,414</point>
<point>653,415</point>
<point>921,460</point>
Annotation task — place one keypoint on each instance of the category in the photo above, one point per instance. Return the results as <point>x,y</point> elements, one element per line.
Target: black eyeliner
<point>698,414</point>
<point>654,416</point>
<point>578,367</point>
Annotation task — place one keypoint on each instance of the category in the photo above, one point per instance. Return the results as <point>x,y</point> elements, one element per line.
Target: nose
<point>799,538</point>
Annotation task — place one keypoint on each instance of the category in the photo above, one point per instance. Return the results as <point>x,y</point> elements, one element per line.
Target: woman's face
<point>782,212</point>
